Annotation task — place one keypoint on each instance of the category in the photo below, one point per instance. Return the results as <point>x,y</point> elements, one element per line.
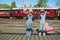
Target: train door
<point>11,14</point>
<point>58,12</point>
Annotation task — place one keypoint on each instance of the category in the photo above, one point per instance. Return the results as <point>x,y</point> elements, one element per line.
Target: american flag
<point>25,10</point>
<point>49,27</point>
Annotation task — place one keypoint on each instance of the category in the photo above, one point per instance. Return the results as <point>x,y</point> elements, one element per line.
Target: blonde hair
<point>30,11</point>
<point>42,11</point>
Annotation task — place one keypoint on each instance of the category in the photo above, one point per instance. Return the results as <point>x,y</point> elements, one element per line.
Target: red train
<point>19,13</point>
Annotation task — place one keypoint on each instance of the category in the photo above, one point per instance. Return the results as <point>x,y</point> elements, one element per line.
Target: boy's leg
<point>44,32</point>
<point>40,29</point>
<point>29,31</point>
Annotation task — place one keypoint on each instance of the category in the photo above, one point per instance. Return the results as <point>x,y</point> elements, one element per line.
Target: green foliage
<point>30,6</point>
<point>41,3</point>
<point>4,6</point>
<point>13,4</point>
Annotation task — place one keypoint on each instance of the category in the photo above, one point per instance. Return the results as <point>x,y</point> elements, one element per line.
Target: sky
<point>20,3</point>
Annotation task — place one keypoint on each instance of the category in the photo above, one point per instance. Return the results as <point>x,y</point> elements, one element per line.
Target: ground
<point>14,29</point>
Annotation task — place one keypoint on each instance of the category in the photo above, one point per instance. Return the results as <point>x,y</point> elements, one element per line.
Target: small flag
<point>49,28</point>
<point>25,10</point>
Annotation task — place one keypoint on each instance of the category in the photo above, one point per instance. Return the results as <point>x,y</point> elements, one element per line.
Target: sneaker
<point>44,34</point>
<point>39,34</point>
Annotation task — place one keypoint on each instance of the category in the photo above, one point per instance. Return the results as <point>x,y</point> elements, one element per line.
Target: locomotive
<point>19,13</point>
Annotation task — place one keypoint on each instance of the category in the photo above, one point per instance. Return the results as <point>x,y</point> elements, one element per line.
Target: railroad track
<point>15,29</point>
<point>22,36</point>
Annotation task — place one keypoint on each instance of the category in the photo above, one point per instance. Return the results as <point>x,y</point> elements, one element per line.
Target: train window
<point>35,12</point>
<point>21,11</point>
<point>47,11</point>
<point>59,9</point>
<point>4,12</point>
<point>18,11</point>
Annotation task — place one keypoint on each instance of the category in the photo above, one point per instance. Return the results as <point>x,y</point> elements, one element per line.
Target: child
<point>29,22</point>
<point>41,19</point>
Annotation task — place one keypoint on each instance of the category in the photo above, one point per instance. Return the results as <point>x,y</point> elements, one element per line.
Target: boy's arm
<point>33,18</point>
<point>26,17</point>
<point>39,17</point>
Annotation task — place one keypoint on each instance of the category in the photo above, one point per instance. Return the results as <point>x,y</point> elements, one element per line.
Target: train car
<point>51,13</point>
<point>4,13</point>
<point>18,12</point>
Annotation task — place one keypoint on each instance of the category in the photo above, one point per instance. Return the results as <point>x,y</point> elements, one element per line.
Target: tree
<point>41,3</point>
<point>30,6</point>
<point>13,4</point>
<point>4,6</point>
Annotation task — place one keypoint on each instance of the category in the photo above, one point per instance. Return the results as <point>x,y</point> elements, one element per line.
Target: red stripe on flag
<point>49,29</point>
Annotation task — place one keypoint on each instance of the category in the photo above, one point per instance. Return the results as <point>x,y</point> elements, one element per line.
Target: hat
<point>42,10</point>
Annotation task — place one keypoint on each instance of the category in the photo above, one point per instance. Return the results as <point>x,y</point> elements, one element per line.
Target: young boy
<point>29,22</point>
<point>41,19</point>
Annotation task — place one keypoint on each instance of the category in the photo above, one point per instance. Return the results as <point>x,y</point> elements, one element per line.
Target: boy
<point>41,19</point>
<point>29,22</point>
